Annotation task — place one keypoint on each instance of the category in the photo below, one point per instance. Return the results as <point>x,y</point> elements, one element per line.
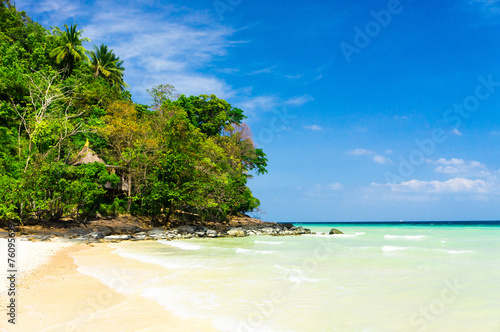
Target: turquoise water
<point>381,277</point>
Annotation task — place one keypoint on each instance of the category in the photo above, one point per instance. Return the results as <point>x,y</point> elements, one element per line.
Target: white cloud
<point>323,190</point>
<point>259,103</point>
<point>361,152</point>
<point>51,12</point>
<point>172,45</point>
<point>376,157</point>
<point>335,186</point>
<point>382,160</point>
<point>455,185</point>
<point>452,161</point>
<point>313,127</point>
<point>461,167</point>
<point>298,100</point>
<point>262,71</point>
<point>456,132</point>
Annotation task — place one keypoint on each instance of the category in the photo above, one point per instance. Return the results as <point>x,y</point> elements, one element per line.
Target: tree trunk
<point>169,213</point>
<point>129,201</point>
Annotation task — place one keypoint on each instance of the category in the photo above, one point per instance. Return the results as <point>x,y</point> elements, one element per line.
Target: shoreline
<point>127,227</point>
<point>53,293</point>
<point>56,296</point>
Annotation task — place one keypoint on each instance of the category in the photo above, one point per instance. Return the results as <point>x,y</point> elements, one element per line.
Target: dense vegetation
<point>179,157</point>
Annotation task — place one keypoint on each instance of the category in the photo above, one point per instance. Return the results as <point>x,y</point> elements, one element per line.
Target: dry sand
<point>54,296</point>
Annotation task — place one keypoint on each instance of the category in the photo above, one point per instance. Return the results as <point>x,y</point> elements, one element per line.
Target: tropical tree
<point>105,63</point>
<point>69,50</point>
<point>209,113</point>
<point>160,94</point>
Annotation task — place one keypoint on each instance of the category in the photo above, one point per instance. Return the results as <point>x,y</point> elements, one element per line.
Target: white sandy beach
<point>30,256</point>
<point>54,296</point>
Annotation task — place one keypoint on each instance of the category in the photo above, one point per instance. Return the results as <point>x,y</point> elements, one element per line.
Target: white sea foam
<point>181,245</point>
<point>165,262</point>
<point>318,235</point>
<point>337,235</point>
<point>250,251</point>
<point>296,275</point>
<point>348,235</point>
<point>181,302</point>
<point>116,279</point>
<point>451,252</point>
<point>393,248</point>
<point>268,242</point>
<point>186,304</point>
<point>404,237</point>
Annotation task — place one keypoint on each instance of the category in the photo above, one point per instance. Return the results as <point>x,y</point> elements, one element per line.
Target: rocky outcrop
<point>335,231</point>
<point>135,229</point>
<point>236,232</point>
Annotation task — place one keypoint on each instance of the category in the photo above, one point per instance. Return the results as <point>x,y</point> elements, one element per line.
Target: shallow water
<point>371,278</point>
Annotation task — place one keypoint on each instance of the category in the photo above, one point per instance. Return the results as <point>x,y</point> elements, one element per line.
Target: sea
<point>377,276</point>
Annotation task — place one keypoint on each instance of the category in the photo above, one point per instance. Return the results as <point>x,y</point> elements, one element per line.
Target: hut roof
<point>86,156</point>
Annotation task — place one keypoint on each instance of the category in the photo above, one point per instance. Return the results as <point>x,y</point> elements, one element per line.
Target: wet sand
<point>56,297</point>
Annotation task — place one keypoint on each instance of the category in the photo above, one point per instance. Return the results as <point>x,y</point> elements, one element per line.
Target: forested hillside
<point>73,144</point>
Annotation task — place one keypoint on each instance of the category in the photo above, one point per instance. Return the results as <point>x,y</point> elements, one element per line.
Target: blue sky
<point>367,110</point>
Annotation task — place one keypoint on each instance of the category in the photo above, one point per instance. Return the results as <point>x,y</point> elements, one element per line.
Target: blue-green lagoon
<point>374,277</point>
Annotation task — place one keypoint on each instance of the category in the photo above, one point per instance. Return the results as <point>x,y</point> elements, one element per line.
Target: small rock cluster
<point>186,232</point>
<point>127,228</point>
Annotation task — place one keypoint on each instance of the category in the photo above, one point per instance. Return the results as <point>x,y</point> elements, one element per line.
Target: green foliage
<point>161,94</point>
<point>8,198</point>
<point>69,48</point>
<point>105,63</point>
<point>209,113</point>
<point>182,157</point>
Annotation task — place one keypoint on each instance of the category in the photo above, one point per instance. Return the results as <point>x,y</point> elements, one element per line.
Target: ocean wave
<point>336,235</point>
<point>268,242</point>
<point>187,304</point>
<point>181,245</point>
<point>318,235</point>
<point>404,237</point>
<point>296,275</point>
<point>348,235</point>
<point>164,261</point>
<point>250,251</point>
<point>181,302</point>
<point>393,248</point>
<point>452,252</point>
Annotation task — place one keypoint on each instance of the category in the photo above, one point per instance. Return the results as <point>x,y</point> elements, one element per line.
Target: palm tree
<point>69,50</point>
<point>106,63</point>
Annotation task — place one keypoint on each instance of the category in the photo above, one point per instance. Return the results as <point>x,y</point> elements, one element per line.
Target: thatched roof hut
<point>86,156</point>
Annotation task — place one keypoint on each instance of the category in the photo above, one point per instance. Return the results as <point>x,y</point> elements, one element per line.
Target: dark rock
<point>287,225</point>
<point>140,236</point>
<point>126,229</point>
<point>104,230</point>
<point>95,235</point>
<point>78,232</point>
<point>193,230</point>
<point>157,233</point>
<point>211,233</point>
<point>335,231</point>
<point>270,230</point>
<point>236,232</point>
<point>118,237</point>
<point>300,230</point>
